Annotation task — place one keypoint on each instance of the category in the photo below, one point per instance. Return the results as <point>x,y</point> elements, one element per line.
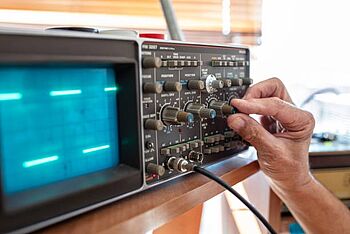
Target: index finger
<point>272,87</point>
<point>292,118</point>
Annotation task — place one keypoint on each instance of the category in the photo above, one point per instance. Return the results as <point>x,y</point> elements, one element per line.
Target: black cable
<point>317,92</point>
<point>236,194</point>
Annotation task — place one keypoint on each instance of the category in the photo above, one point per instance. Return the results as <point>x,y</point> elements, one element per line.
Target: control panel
<point>107,117</point>
<point>186,91</point>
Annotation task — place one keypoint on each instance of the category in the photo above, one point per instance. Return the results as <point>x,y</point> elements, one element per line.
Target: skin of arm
<point>283,155</point>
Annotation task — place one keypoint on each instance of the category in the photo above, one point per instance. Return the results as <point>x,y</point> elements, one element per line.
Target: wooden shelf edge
<point>154,207</point>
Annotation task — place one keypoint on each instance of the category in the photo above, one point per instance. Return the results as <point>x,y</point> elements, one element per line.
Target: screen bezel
<point>125,177</point>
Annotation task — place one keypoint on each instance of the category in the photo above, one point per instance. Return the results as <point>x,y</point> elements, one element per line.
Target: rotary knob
<point>236,82</point>
<point>150,87</point>
<point>195,85</point>
<point>151,62</point>
<point>222,108</point>
<point>227,82</point>
<point>173,115</point>
<point>153,124</point>
<point>217,84</point>
<point>172,86</point>
<point>247,81</point>
<point>155,169</point>
<point>200,111</point>
<point>212,84</point>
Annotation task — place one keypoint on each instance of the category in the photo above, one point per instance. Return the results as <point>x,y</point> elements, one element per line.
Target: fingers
<point>292,118</point>
<point>252,131</point>
<point>269,88</point>
<point>269,124</point>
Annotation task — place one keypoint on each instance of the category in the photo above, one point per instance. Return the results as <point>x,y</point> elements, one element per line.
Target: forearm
<point>316,209</point>
<point>283,155</point>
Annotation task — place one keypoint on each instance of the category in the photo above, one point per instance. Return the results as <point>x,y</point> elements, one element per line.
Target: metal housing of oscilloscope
<point>36,53</point>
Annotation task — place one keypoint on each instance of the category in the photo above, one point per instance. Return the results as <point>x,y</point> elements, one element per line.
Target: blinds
<point>201,20</point>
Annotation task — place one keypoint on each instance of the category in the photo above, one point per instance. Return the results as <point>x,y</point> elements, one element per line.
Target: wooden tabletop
<point>150,209</point>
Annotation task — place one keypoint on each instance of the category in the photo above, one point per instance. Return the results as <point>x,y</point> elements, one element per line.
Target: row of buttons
<point>221,148</point>
<point>214,149</point>
<point>231,145</point>
<point>214,138</point>
<point>175,149</point>
<point>156,62</point>
<point>181,63</point>
<point>223,63</point>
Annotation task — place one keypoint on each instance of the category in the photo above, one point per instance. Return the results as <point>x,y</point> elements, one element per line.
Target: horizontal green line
<point>85,151</point>
<point>109,89</point>
<point>10,96</point>
<point>39,161</point>
<point>65,92</point>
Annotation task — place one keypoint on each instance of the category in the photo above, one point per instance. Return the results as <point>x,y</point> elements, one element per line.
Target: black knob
<point>172,86</point>
<point>151,62</point>
<point>173,115</point>
<point>200,111</point>
<point>247,81</point>
<point>154,124</point>
<point>195,85</point>
<point>217,84</point>
<point>150,87</point>
<point>222,108</point>
<point>236,82</point>
<point>155,169</point>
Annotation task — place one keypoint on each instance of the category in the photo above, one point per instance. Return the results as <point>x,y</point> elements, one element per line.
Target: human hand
<point>283,155</point>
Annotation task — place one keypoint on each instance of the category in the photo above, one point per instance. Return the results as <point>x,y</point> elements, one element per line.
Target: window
<point>215,21</point>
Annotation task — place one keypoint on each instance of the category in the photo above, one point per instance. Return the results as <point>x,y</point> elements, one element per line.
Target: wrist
<point>303,186</point>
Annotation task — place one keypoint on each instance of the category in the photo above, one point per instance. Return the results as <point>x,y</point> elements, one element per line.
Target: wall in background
<point>306,44</point>
<point>219,21</point>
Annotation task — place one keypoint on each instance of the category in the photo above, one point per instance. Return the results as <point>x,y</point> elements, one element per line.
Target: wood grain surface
<point>152,208</point>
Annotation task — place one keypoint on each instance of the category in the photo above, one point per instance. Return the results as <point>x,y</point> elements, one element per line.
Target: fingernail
<point>237,124</point>
<point>235,101</point>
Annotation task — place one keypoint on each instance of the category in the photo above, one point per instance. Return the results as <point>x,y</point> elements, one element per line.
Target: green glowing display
<point>56,122</point>
<point>40,161</point>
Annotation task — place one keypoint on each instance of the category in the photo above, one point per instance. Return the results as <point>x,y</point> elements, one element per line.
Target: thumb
<point>252,131</point>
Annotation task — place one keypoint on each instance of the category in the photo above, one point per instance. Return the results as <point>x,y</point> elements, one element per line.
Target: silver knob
<point>179,164</point>
<point>227,82</point>
<point>212,84</point>
<point>195,156</point>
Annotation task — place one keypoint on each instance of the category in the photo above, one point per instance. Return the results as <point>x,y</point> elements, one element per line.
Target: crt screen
<point>56,122</point>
